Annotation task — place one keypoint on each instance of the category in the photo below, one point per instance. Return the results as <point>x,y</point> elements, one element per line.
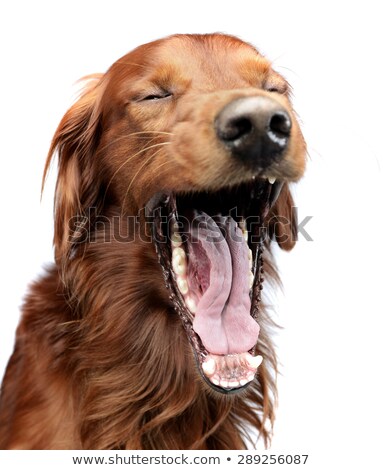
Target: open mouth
<point>210,249</point>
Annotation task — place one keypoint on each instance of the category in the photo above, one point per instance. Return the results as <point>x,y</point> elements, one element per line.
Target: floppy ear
<point>77,187</point>
<point>282,225</point>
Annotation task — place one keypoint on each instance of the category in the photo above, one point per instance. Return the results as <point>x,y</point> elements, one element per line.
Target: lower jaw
<point>226,374</point>
<point>230,372</point>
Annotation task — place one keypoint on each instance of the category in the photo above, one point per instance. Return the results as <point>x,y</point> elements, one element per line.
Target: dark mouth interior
<point>246,200</point>
<point>210,248</point>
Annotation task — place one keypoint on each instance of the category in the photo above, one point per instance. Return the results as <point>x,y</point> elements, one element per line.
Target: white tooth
<point>233,383</point>
<point>243,382</point>
<point>271,179</point>
<point>209,367</point>
<point>254,362</point>
<point>176,226</point>
<point>176,240</point>
<point>250,254</point>
<point>242,225</point>
<point>224,383</point>
<point>178,252</point>
<point>215,380</point>
<point>250,376</point>
<point>179,265</point>
<point>190,304</point>
<point>182,285</point>
<point>251,279</point>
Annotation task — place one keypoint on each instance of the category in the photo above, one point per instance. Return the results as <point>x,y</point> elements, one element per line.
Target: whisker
<point>137,173</point>
<point>168,162</point>
<point>127,136</point>
<point>129,159</point>
<point>152,132</point>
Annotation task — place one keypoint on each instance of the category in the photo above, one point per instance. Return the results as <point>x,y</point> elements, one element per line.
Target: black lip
<point>162,209</point>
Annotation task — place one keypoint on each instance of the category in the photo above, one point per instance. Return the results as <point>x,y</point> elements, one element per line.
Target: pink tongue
<point>222,320</point>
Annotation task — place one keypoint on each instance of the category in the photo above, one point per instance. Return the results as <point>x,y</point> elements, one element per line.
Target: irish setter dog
<point>149,331</point>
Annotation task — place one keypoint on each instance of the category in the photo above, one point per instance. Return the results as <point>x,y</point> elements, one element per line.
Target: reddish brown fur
<point>101,358</point>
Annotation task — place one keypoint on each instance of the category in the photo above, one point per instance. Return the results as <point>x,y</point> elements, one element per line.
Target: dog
<point>149,331</point>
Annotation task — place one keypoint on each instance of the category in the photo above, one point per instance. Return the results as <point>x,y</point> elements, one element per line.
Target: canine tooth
<point>243,382</point>
<point>209,367</point>
<point>254,362</point>
<point>242,224</point>
<point>271,179</point>
<point>190,304</point>
<point>179,265</point>
<point>250,254</point>
<point>215,380</point>
<point>182,285</point>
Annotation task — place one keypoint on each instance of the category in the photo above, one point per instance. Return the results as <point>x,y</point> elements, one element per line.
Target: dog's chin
<point>209,246</point>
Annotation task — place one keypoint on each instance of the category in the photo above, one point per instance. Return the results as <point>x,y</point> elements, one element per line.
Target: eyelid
<point>281,88</point>
<point>153,95</point>
<point>157,96</point>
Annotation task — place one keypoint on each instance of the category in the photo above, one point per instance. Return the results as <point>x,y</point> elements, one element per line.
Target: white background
<point>331,347</point>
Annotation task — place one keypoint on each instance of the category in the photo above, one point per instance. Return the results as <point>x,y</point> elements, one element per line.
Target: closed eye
<point>157,96</point>
<point>275,86</point>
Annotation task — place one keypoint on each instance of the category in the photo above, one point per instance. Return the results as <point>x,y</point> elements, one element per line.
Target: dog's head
<point>196,135</point>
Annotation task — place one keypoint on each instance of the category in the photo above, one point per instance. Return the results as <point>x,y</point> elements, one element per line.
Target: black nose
<point>255,129</point>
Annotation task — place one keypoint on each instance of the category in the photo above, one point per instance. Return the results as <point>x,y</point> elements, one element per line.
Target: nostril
<point>254,129</point>
<point>280,124</point>
<point>235,128</point>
